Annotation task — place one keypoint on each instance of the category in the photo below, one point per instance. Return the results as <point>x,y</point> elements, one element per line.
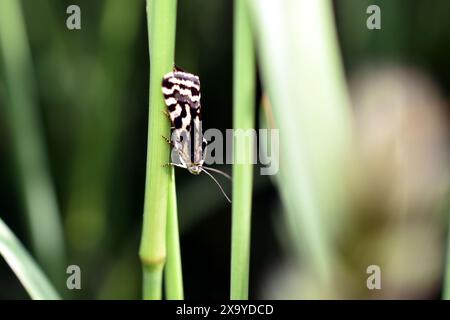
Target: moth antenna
<point>218,171</point>
<point>221,189</point>
<point>177,68</point>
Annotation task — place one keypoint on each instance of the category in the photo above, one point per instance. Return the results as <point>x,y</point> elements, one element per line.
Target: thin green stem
<point>173,274</point>
<point>161,21</point>
<point>243,118</point>
<point>34,176</point>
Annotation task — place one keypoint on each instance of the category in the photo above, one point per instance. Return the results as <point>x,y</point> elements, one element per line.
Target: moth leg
<point>168,141</point>
<point>166,113</point>
<point>173,164</point>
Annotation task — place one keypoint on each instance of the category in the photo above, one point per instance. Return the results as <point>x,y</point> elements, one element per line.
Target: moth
<point>181,92</point>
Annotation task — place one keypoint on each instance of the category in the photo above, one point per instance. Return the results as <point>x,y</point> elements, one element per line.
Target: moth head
<point>195,169</point>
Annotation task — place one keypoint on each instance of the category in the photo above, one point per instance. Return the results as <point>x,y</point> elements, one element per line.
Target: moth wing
<point>181,92</point>
<point>197,134</point>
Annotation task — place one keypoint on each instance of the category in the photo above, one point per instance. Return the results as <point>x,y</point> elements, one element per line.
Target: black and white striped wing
<point>181,92</point>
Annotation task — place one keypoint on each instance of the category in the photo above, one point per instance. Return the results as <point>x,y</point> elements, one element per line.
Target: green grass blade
<point>161,21</point>
<point>302,75</point>
<point>21,108</point>
<point>23,265</point>
<point>173,274</point>
<point>243,118</point>
<point>446,290</point>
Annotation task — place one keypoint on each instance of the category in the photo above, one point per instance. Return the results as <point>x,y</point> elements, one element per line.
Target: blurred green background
<point>91,96</point>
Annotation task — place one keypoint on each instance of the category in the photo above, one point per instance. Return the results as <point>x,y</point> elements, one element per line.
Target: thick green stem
<point>243,118</point>
<point>173,275</point>
<point>161,21</point>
